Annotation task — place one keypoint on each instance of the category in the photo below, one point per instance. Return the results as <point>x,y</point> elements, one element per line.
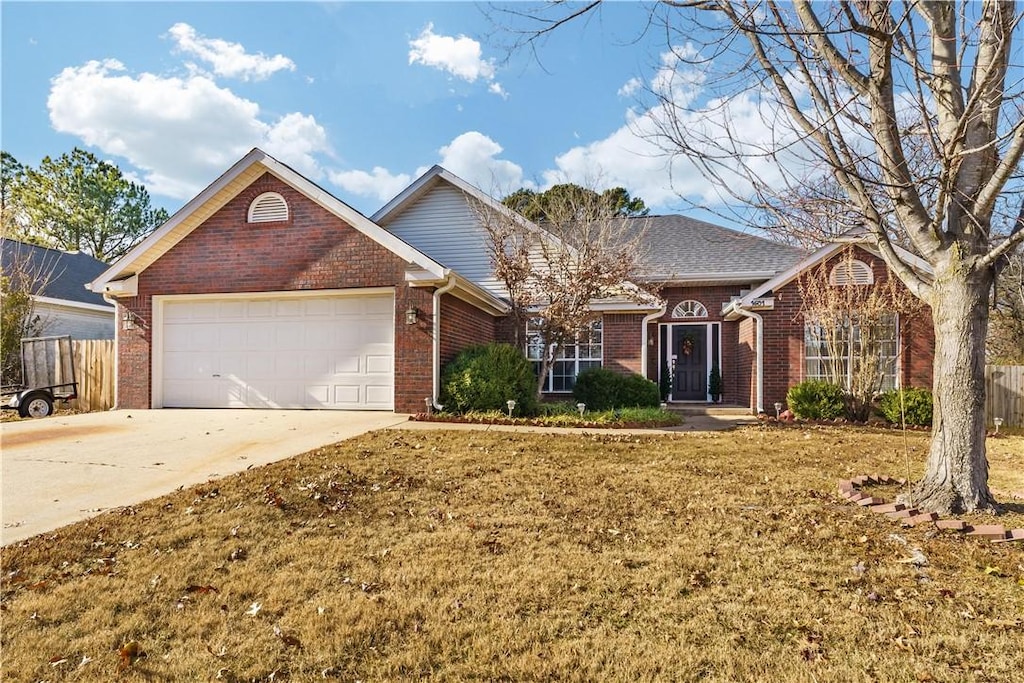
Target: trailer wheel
<point>35,405</point>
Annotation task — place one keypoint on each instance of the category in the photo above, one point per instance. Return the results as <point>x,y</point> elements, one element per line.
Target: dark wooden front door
<point>690,380</point>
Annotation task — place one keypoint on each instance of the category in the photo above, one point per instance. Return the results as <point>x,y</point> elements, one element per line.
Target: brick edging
<point>849,489</point>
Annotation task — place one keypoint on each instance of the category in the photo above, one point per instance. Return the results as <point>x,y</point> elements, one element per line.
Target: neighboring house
<point>58,282</point>
<point>267,291</point>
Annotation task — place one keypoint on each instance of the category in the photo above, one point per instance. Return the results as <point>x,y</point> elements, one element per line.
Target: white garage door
<point>287,352</point>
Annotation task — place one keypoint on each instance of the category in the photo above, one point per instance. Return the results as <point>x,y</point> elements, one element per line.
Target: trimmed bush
<point>483,378</point>
<point>603,389</point>
<point>597,387</point>
<point>815,399</point>
<point>635,391</point>
<point>916,402</point>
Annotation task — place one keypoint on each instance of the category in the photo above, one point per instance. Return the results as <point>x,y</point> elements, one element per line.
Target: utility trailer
<point>48,375</point>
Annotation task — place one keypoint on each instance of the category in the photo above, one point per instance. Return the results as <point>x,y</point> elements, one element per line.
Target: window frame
<point>851,341</point>
<point>583,354</point>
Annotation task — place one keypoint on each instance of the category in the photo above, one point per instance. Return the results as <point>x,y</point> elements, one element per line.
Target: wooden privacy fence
<point>1004,386</point>
<point>94,368</point>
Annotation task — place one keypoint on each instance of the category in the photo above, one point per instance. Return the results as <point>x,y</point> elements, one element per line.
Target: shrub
<point>917,403</point>
<point>636,391</point>
<point>602,389</point>
<point>483,378</point>
<point>815,399</point>
<point>597,388</point>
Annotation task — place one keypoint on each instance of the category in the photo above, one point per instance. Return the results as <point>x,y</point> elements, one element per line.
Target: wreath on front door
<point>687,345</point>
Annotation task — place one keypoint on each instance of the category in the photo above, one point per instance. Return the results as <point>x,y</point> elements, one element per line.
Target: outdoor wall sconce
<point>511,404</point>
<point>412,315</point>
<point>998,422</point>
<point>582,407</point>
<point>778,409</point>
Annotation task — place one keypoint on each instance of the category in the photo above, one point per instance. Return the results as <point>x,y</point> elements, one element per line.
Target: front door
<point>690,378</point>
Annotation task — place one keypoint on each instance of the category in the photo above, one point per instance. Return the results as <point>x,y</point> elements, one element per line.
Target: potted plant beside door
<point>715,383</point>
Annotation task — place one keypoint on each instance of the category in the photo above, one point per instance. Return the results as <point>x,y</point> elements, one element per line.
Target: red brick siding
<point>462,325</point>
<point>312,250</point>
<point>622,343</point>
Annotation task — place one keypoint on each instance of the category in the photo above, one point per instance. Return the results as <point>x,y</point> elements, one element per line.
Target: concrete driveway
<point>62,469</point>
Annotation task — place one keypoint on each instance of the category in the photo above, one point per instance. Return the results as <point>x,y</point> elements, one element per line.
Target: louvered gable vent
<point>269,207</point>
<point>852,273</point>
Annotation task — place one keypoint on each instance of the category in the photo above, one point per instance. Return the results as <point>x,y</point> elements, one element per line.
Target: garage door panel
<point>304,352</point>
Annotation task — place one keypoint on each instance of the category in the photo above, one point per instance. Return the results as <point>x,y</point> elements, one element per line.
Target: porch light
<point>412,315</point>
<point>582,407</point>
<point>998,422</point>
<point>511,404</point>
<point>778,410</point>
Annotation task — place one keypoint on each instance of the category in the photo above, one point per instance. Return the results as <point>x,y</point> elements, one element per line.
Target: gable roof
<point>64,274</point>
<point>855,236</point>
<point>680,249</point>
<point>226,187</point>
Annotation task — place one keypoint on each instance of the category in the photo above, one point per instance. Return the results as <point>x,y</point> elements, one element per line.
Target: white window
<point>267,208</point>
<point>690,309</point>
<point>835,355</point>
<point>852,272</point>
<point>572,359</point>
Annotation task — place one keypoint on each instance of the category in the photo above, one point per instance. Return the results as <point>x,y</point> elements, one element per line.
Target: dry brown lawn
<point>506,556</point>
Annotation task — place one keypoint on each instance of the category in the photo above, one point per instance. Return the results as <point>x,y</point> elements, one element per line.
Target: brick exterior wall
<point>312,250</point>
<point>623,343</point>
<point>462,325</point>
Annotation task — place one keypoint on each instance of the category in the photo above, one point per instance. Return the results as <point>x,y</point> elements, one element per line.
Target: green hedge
<point>485,377</point>
<point>603,389</point>
<point>917,403</point>
<point>815,399</point>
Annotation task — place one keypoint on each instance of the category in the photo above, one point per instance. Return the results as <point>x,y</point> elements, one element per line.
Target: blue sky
<point>360,97</point>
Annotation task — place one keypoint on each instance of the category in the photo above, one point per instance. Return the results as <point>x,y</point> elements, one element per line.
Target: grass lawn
<point>508,556</point>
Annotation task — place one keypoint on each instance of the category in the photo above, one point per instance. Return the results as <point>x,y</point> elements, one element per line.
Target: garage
<point>285,350</point>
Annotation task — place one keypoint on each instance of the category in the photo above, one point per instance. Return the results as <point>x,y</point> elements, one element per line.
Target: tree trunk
<point>956,475</point>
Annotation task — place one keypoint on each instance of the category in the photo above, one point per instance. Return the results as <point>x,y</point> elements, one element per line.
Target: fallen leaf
<point>129,653</point>
<point>202,590</point>
<point>57,661</point>
<point>254,609</point>
<point>993,571</point>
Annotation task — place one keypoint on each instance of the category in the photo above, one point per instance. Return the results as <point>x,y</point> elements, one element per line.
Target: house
<point>267,291</point>
<point>58,280</point>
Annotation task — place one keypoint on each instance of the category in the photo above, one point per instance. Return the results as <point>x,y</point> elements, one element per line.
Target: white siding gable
<point>443,224</point>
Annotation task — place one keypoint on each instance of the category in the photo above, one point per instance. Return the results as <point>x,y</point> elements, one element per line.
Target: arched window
<point>690,309</point>
<point>852,272</point>
<point>269,207</point>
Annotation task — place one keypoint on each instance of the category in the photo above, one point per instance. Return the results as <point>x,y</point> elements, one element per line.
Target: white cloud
<point>379,183</point>
<point>631,87</point>
<point>637,155</point>
<point>225,58</point>
<point>460,56</point>
<point>180,133</point>
<point>473,157</point>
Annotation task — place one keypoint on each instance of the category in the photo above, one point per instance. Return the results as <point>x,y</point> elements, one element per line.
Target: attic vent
<point>690,309</point>
<point>268,208</point>
<point>852,272</point>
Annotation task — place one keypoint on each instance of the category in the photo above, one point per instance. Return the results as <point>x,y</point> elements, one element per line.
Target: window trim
<point>852,333</point>
<point>576,359</point>
<point>689,309</point>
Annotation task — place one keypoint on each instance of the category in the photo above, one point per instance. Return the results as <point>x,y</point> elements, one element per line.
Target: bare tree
<point>21,279</point>
<point>854,328</point>
<point>1006,337</point>
<point>865,93</point>
<point>583,251</point>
